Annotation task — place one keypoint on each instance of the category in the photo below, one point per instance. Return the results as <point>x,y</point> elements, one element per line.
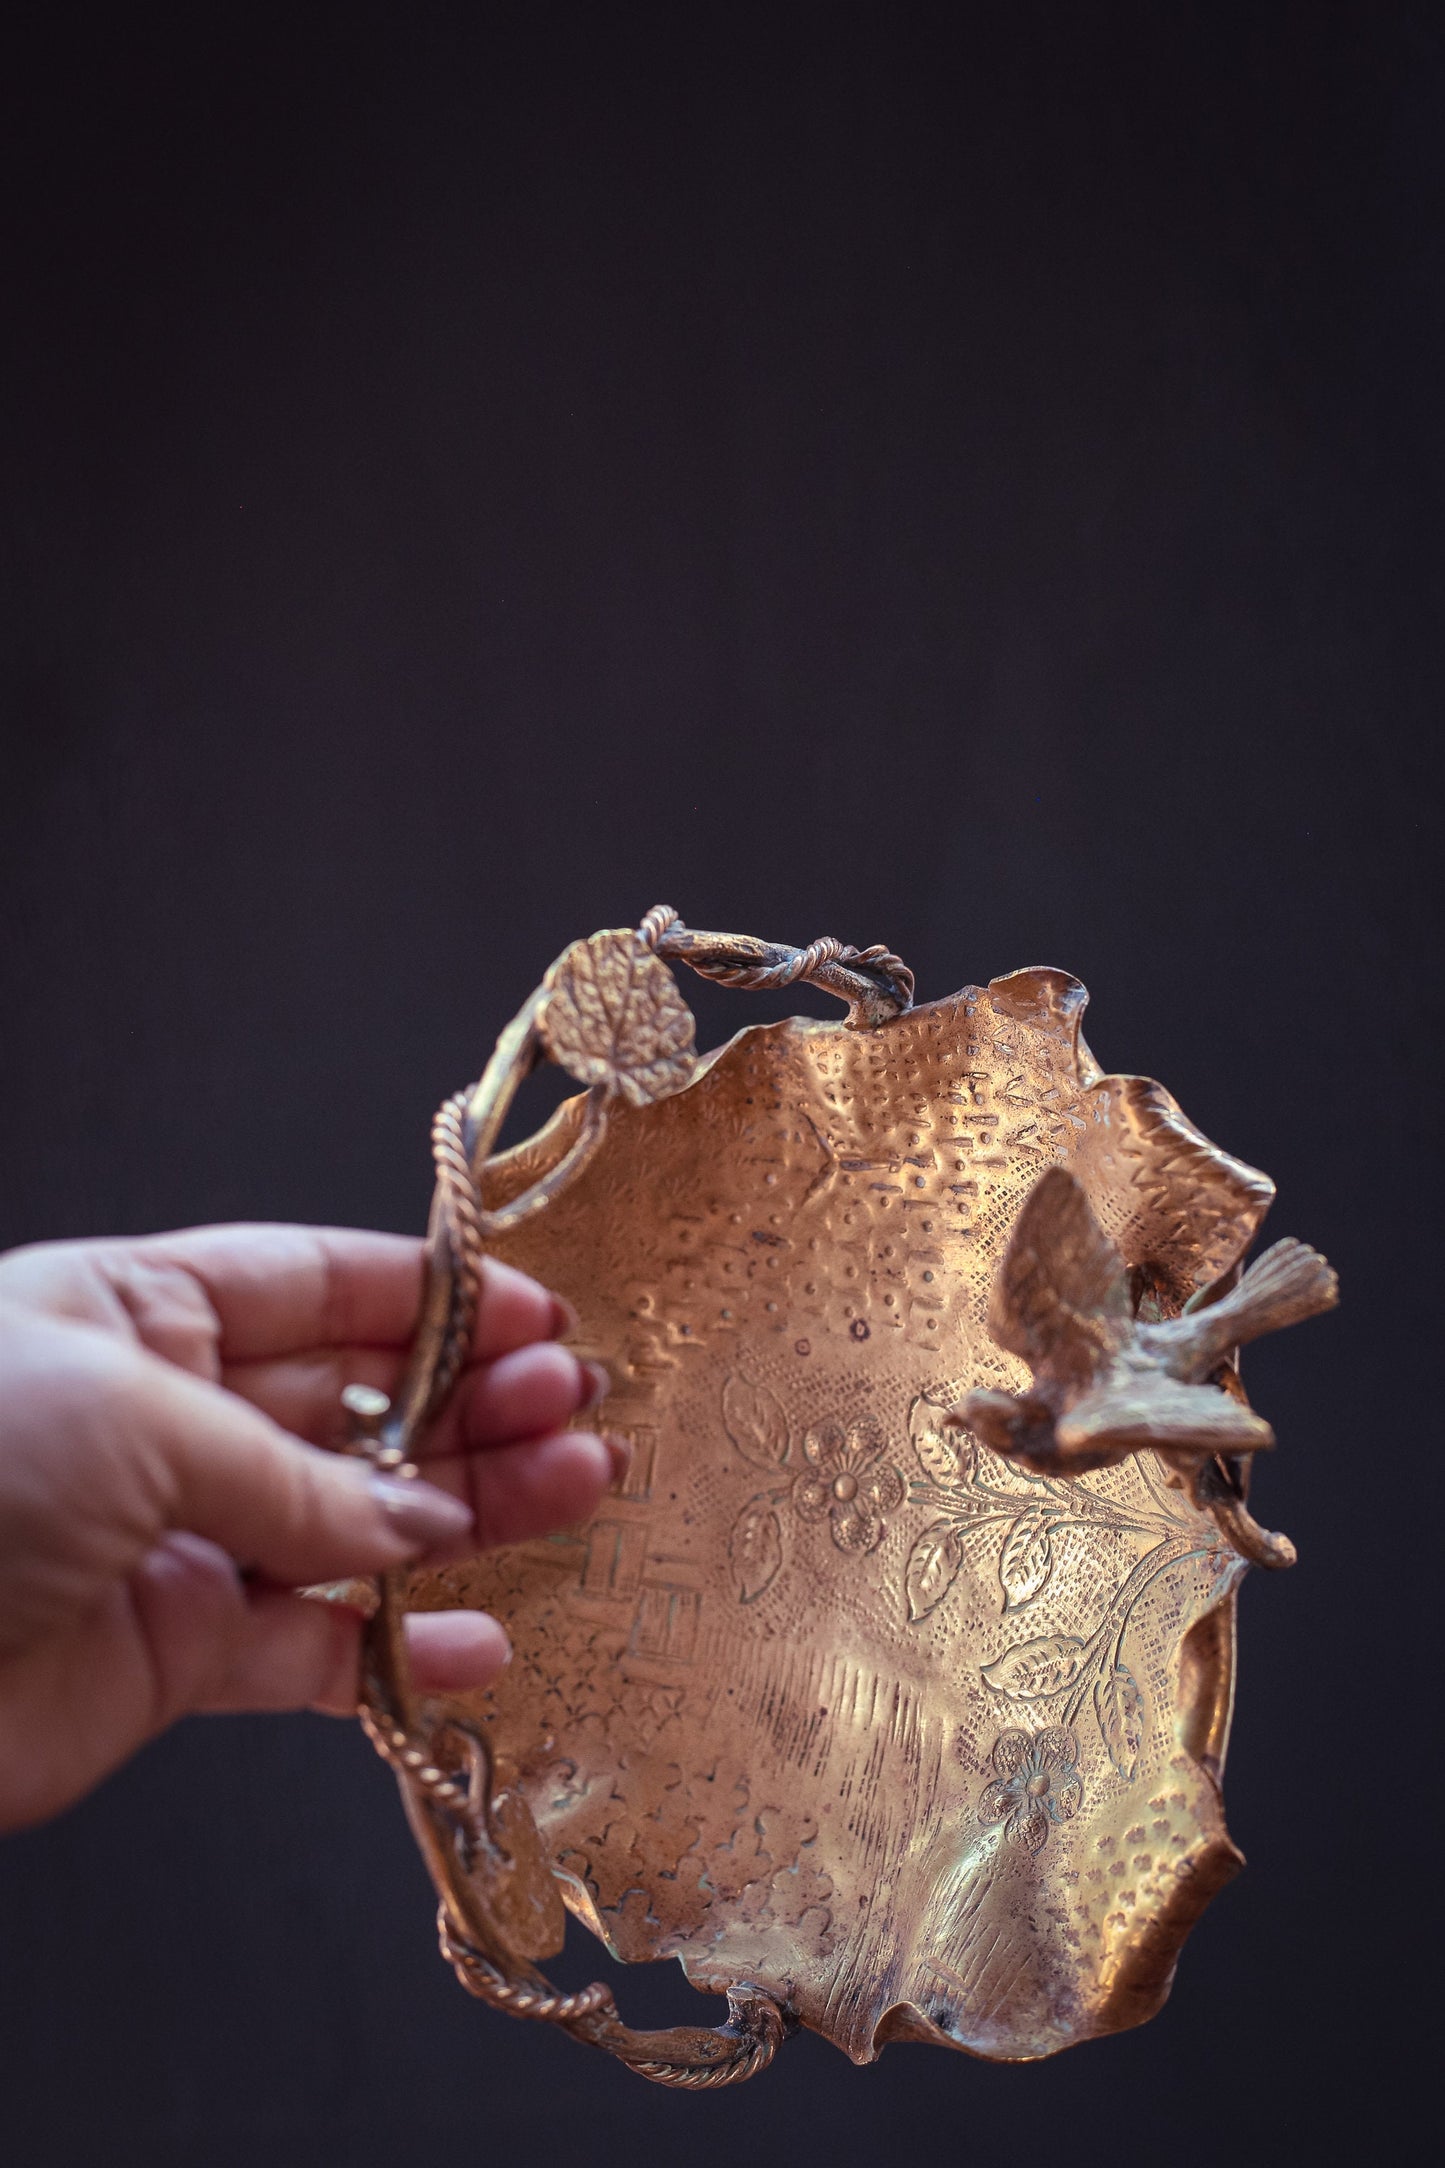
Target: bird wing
<point>1061,1296</point>
<point>1289,1282</point>
<point>1149,1409</point>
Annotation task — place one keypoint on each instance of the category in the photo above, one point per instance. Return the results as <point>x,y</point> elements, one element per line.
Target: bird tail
<point>1289,1282</point>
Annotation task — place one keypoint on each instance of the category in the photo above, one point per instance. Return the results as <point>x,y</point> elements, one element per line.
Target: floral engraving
<point>1036,1785</point>
<point>757,1426</point>
<point>1119,1708</point>
<point>1026,1561</point>
<point>754,1420</point>
<point>932,1568</point>
<point>844,1480</point>
<point>971,1489</point>
<point>848,1480</point>
<point>1036,1670</point>
<point>755,1548</point>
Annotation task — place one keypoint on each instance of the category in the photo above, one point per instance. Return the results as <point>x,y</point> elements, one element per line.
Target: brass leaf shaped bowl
<point>889,1690</point>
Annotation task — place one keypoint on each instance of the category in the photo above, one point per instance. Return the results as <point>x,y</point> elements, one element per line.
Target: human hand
<point>159,1508</point>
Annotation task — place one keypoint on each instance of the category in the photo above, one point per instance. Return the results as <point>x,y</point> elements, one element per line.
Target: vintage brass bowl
<point>888,1719</point>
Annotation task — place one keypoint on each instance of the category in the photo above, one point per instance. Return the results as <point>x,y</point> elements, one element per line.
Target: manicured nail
<point>565,1320</point>
<point>596,1384</point>
<point>420,1513</point>
<point>620,1451</point>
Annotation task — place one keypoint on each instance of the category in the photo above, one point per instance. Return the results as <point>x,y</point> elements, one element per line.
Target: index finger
<point>277,1290</point>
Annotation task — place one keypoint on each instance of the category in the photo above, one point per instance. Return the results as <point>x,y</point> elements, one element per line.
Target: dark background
<point>966,477</point>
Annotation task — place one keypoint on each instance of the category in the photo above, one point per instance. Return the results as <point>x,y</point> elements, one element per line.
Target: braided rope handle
<point>755,2030</point>
<point>876,984</point>
<point>456,1816</point>
<point>461,1206</point>
<point>519,1998</point>
<point>690,2057</point>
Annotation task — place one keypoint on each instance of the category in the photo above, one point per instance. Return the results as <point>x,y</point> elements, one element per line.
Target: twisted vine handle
<point>874,982</point>
<point>500,1904</point>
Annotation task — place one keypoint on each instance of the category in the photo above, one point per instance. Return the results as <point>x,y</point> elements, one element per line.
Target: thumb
<point>222,1470</point>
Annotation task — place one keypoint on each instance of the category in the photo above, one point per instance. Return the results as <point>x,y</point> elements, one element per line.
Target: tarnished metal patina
<point>889,1691</point>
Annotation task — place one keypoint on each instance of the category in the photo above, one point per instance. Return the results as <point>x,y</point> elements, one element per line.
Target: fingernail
<point>620,1450</point>
<point>420,1513</point>
<point>565,1320</point>
<point>596,1384</point>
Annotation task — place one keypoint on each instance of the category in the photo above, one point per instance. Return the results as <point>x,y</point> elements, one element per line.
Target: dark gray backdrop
<point>959,476</point>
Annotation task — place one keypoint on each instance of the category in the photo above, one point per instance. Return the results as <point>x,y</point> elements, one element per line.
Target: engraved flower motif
<point>1036,1786</point>
<point>847,1479</point>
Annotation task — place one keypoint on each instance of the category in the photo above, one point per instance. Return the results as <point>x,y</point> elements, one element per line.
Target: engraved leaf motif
<point>754,1420</point>
<point>613,1016</point>
<point>1032,1670</point>
<point>933,1565</point>
<point>1119,1706</point>
<point>936,1447</point>
<point>755,1547</point>
<point>1027,1557</point>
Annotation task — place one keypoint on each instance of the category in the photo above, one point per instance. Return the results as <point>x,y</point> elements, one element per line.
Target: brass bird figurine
<point>1108,1383</point>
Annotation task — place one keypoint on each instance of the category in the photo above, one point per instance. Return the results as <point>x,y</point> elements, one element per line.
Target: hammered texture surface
<point>827,1696</point>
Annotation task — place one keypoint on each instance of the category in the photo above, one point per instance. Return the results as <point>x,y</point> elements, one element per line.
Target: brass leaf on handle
<point>612,1015</point>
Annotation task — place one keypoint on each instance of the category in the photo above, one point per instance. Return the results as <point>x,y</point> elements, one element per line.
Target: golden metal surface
<point>896,1723</point>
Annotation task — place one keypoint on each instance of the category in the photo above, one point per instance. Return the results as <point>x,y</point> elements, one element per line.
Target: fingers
<point>203,1460</point>
<point>216,1645</point>
<point>453,1652</point>
<point>533,1487</point>
<point>295,1653</point>
<point>275,1288</point>
<point>296,1515</point>
<point>303,1392</point>
<point>522,1393</point>
<point>520,1491</point>
<point>282,1290</point>
<point>109,1449</point>
<point>286,1317</point>
<point>247,1294</point>
<point>514,1309</point>
<point>190,1606</point>
<point>213,1294</point>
